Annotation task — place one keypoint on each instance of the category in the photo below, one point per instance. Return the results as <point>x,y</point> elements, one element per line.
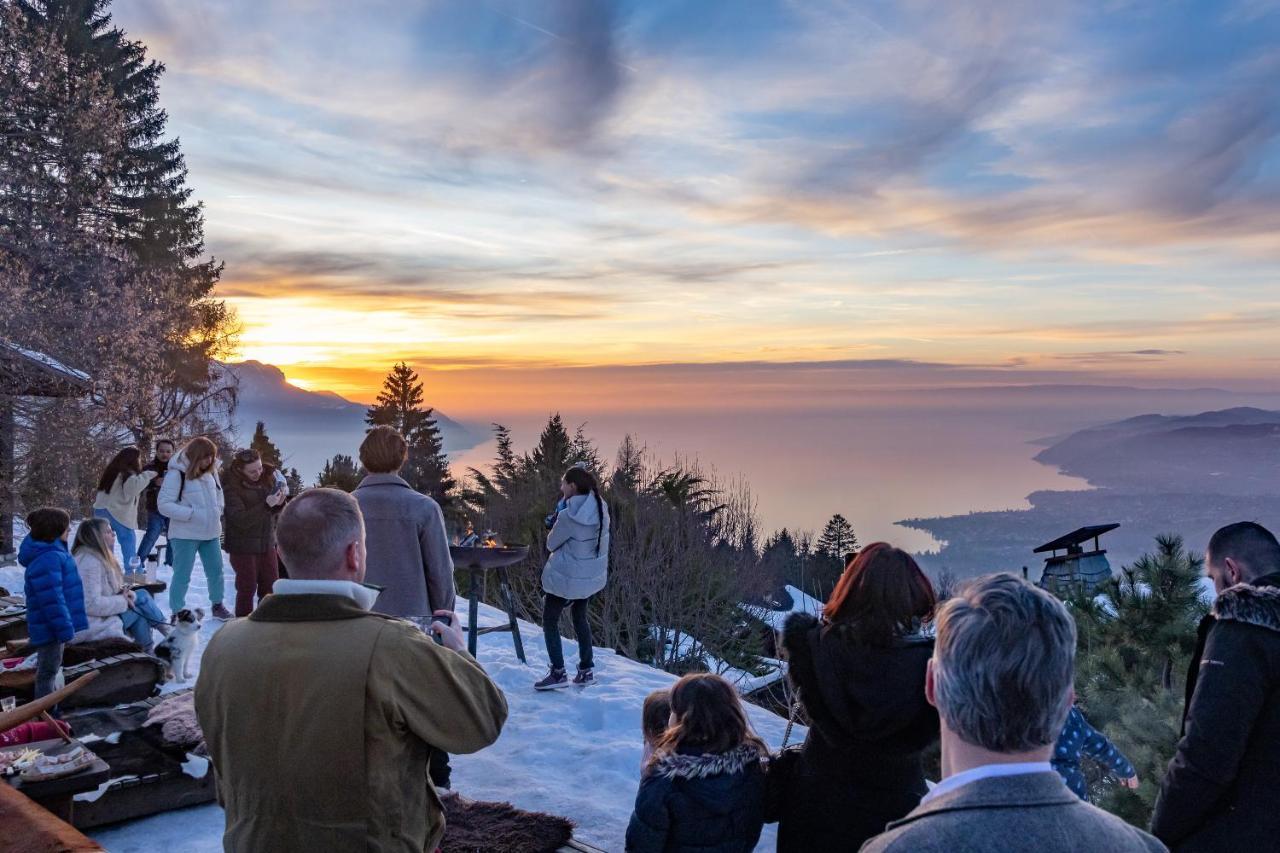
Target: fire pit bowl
<point>487,558</point>
<point>477,562</point>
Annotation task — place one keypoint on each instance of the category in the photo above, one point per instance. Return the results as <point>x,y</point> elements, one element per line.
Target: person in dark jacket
<point>1222,786</point>
<point>55,597</point>
<point>156,523</point>
<point>254,498</point>
<point>704,786</point>
<point>1078,738</point>
<point>859,674</point>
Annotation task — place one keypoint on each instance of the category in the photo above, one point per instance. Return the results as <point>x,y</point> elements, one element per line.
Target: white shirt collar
<point>360,594</point>
<point>986,771</point>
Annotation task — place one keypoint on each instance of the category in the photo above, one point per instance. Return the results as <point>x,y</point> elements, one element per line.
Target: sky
<point>650,202</point>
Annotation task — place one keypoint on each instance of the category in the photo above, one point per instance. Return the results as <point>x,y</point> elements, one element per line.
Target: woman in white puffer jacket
<point>576,570</point>
<point>191,498</point>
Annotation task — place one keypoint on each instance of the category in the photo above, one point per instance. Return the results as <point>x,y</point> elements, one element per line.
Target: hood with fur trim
<point>1252,605</point>
<point>676,765</point>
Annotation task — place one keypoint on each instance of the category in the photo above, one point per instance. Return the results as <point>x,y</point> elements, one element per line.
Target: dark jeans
<point>552,607</point>
<point>156,524</point>
<point>255,573</point>
<point>48,665</point>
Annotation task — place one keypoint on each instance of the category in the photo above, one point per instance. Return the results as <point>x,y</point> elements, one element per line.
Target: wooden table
<point>58,795</point>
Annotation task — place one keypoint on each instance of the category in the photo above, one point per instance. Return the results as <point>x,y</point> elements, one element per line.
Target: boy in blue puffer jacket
<point>55,598</point>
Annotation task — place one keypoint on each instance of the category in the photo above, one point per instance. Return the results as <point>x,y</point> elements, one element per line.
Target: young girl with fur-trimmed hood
<point>704,785</point>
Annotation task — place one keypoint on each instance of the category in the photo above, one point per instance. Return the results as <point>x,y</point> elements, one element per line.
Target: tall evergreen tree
<point>399,404</point>
<point>1134,641</point>
<point>340,472</point>
<point>554,451</point>
<point>837,539</point>
<point>294,480</point>
<point>266,447</point>
<point>96,221</point>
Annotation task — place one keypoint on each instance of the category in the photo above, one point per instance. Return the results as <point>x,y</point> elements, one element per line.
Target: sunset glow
<point>492,191</point>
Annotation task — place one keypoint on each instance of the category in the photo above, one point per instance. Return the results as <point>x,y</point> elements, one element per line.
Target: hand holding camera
<point>445,630</point>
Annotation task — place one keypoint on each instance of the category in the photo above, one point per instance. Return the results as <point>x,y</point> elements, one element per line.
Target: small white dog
<point>179,648</point>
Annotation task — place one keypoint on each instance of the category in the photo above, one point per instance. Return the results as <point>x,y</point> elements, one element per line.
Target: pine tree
<point>1135,639</point>
<point>266,447</point>
<point>294,481</point>
<point>96,218</point>
<point>399,404</point>
<point>554,451</point>
<point>340,472</point>
<point>837,539</point>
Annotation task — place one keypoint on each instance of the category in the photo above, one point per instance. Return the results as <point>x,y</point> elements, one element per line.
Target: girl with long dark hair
<point>704,785</point>
<point>576,570</point>
<point>859,672</point>
<point>122,482</point>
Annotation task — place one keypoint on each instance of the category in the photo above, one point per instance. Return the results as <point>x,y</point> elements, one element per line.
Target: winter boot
<point>221,613</point>
<point>585,677</point>
<point>555,679</point>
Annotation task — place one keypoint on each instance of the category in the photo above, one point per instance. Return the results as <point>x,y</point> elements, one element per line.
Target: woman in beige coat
<point>121,484</point>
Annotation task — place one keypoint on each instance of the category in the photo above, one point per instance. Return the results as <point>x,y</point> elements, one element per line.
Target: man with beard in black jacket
<point>1222,789</point>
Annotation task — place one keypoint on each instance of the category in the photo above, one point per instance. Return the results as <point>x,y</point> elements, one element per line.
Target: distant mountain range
<point>1228,452</point>
<point>311,426</point>
<point>1155,474</point>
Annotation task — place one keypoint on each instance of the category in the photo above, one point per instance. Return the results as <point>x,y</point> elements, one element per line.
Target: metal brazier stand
<point>477,561</point>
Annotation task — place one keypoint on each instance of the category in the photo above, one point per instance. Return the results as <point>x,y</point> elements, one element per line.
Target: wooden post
<point>8,430</point>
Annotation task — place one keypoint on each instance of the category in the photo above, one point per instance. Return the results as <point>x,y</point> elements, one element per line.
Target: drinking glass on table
<point>135,567</point>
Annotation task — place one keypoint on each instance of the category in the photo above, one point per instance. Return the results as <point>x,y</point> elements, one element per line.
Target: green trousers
<point>184,560</point>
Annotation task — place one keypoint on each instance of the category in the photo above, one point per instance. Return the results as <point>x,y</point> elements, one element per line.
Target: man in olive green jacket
<point>321,716</point>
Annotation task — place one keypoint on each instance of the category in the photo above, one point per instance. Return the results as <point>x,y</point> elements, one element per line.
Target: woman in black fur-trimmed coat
<point>704,786</point>
<point>859,673</point>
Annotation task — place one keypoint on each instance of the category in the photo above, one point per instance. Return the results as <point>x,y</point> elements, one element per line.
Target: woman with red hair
<point>859,673</point>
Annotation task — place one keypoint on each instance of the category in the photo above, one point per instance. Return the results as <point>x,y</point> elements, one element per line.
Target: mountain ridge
<point>311,426</point>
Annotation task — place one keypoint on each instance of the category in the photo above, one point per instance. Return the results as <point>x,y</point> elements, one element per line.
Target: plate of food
<point>14,761</point>
<point>48,766</point>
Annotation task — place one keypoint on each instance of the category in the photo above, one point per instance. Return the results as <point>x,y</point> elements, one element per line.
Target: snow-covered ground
<point>571,752</point>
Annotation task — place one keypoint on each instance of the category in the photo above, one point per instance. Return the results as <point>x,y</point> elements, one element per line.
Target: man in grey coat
<point>406,539</point>
<point>1001,678</point>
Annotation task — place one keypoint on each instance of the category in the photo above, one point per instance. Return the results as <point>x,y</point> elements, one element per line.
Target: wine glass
<point>135,565</point>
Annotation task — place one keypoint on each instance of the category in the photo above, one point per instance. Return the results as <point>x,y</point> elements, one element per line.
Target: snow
<point>48,361</point>
<point>573,752</point>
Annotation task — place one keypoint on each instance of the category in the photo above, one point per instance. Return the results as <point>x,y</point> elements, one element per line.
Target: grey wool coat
<point>408,547</point>
<point>1011,814</point>
<point>579,544</point>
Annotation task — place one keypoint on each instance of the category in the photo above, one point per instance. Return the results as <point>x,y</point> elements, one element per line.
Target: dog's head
<point>187,621</point>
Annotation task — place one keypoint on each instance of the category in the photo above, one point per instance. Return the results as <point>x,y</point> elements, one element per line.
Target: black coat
<point>1222,788</point>
<point>153,488</point>
<point>860,766</point>
<point>700,803</point>
<point>249,525</point>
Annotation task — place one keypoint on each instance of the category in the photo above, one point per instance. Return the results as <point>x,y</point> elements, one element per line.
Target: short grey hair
<point>315,529</point>
<point>1003,664</point>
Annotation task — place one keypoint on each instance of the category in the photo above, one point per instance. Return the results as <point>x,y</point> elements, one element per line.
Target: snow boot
<point>221,613</point>
<point>585,677</point>
<point>555,679</point>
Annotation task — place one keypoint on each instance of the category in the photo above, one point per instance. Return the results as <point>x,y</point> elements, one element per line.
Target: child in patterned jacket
<point>1079,738</point>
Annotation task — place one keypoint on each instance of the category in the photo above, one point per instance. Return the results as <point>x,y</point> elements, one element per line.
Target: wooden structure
<point>1076,569</point>
<point>26,373</point>
<point>477,561</point>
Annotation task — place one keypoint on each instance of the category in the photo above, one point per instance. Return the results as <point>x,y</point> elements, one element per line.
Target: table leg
<point>473,614</point>
<point>505,584</point>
